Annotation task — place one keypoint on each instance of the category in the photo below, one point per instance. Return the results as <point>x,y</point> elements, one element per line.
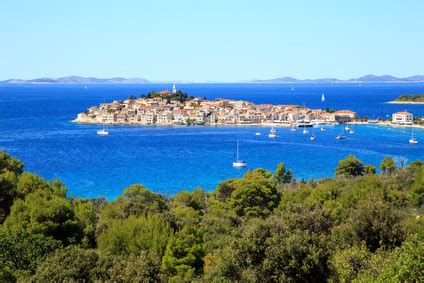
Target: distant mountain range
<point>364,79</point>
<point>77,80</point>
<point>83,80</point>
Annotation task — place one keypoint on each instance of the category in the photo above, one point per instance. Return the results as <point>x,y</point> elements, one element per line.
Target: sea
<point>35,127</point>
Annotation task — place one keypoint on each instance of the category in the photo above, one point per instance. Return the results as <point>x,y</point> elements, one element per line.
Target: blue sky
<point>211,40</point>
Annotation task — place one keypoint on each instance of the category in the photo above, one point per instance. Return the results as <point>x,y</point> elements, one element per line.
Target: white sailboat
<point>292,89</point>
<point>412,140</point>
<point>322,129</point>
<point>322,98</point>
<point>342,136</point>
<point>85,87</point>
<point>351,130</point>
<point>103,132</point>
<point>272,133</point>
<point>257,134</point>
<point>312,138</point>
<point>238,162</point>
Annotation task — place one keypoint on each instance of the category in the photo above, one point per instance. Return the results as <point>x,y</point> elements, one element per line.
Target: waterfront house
<point>343,116</point>
<point>402,118</point>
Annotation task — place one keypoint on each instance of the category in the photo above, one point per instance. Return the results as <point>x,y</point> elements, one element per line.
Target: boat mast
<point>237,150</point>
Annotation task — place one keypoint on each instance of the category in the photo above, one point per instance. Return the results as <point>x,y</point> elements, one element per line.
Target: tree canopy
<point>262,227</point>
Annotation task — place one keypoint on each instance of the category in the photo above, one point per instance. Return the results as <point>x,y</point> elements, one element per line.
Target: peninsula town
<point>178,108</point>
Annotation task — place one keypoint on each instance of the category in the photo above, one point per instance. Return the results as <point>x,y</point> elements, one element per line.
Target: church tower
<point>174,89</point>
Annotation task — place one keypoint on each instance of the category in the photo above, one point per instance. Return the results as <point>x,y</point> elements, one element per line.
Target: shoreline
<point>267,124</point>
<point>403,102</point>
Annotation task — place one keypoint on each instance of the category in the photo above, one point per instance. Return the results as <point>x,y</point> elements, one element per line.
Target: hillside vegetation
<point>411,98</point>
<point>263,227</point>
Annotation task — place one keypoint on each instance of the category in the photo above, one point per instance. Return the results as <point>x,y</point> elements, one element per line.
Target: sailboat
<point>238,162</point>
<point>341,136</point>
<point>292,89</point>
<point>351,130</point>
<point>323,129</point>
<point>272,133</point>
<point>312,138</point>
<point>103,132</point>
<point>412,140</point>
<point>85,87</point>
<point>322,98</point>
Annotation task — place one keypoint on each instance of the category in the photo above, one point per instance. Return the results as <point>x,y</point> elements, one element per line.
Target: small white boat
<point>412,140</point>
<point>347,128</point>
<point>340,137</point>
<point>293,129</point>
<point>85,87</point>
<point>103,132</point>
<point>257,134</point>
<point>351,131</point>
<point>305,131</point>
<point>238,162</point>
<point>322,98</point>
<point>272,133</point>
<point>292,89</point>
<point>322,129</point>
<point>312,138</point>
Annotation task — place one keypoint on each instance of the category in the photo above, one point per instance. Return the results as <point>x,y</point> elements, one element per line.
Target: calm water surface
<point>35,127</point>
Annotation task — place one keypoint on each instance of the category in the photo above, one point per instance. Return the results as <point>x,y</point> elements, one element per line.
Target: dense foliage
<point>411,98</point>
<point>178,96</point>
<point>264,227</point>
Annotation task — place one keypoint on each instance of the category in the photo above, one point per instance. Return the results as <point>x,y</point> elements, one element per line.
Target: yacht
<point>238,162</point>
<point>347,128</point>
<point>272,133</point>
<point>257,134</point>
<point>412,140</point>
<point>305,131</point>
<point>103,132</point>
<point>351,131</point>
<point>322,98</point>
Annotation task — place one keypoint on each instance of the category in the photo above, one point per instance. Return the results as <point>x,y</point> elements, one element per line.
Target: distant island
<point>282,80</point>
<point>77,80</point>
<point>409,99</point>
<point>364,79</point>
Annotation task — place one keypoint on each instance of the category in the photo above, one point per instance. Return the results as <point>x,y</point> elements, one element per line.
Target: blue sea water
<point>35,127</point>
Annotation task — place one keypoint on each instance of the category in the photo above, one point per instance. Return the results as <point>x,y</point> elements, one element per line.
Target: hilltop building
<point>174,89</point>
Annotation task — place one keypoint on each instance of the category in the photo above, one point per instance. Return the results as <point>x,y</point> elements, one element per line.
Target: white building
<point>402,118</point>
<point>174,89</point>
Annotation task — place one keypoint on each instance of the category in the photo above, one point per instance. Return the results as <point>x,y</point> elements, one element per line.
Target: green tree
<point>283,176</point>
<point>135,234</point>
<point>47,213</point>
<point>21,252</point>
<point>69,264</point>
<point>388,165</point>
<point>350,167</point>
<point>256,194</point>
<point>10,170</point>
<point>369,169</point>
<point>183,258</point>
